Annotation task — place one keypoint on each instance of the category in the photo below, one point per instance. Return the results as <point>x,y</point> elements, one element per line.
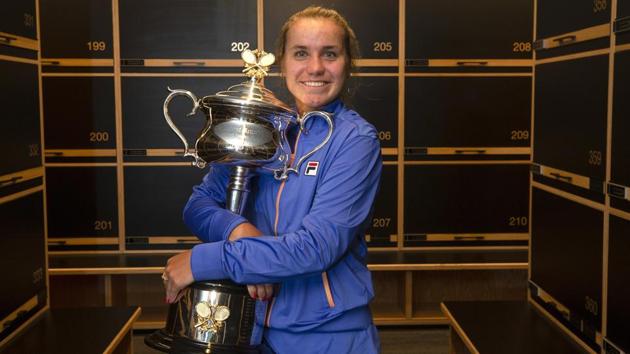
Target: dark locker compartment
<point>22,259</point>
<point>618,312</point>
<point>76,29</point>
<point>191,29</point>
<point>82,203</point>
<point>460,112</point>
<point>374,98</point>
<point>158,194</point>
<point>587,22</point>
<point>144,125</point>
<point>620,154</point>
<point>374,22</point>
<point>79,113</point>
<point>454,29</point>
<point>20,133</point>
<point>384,223</point>
<point>465,199</point>
<point>622,22</point>
<point>18,18</point>
<point>570,116</point>
<point>566,257</point>
<point>558,17</point>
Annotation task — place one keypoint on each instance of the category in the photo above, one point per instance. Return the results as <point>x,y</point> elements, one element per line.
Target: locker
<point>570,115</point>
<point>457,29</point>
<point>18,18</point>
<point>618,292</point>
<point>158,194</point>
<point>566,257</point>
<point>467,202</point>
<point>464,112</point>
<point>22,260</point>
<point>558,17</point>
<point>622,22</point>
<point>620,154</point>
<point>191,29</point>
<point>376,41</point>
<point>144,126</point>
<point>20,133</point>
<point>383,230</point>
<point>76,29</point>
<point>374,98</point>
<point>79,115</point>
<point>82,203</point>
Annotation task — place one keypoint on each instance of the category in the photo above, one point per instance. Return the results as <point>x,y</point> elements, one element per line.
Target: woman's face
<point>314,62</point>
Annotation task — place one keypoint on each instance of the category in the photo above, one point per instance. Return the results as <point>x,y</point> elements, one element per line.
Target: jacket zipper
<point>275,227</point>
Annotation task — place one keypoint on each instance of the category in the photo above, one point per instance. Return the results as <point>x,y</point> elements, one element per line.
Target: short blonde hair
<point>350,42</point>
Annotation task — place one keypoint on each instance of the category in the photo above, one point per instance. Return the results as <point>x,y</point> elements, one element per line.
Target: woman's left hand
<point>177,275</point>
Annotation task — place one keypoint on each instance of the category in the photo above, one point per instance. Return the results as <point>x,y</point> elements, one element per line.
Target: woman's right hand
<point>256,291</point>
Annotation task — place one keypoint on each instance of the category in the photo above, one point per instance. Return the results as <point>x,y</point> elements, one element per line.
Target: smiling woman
<point>301,245</point>
<point>315,62</point>
<point>316,50</point>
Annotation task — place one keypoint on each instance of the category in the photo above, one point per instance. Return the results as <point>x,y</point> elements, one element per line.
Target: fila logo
<point>311,168</point>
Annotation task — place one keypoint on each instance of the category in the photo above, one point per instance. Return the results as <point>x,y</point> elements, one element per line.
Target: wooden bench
<point>89,330</point>
<point>501,327</point>
<point>398,301</point>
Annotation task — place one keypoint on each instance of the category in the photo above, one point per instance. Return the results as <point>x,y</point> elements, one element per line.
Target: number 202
<point>239,46</point>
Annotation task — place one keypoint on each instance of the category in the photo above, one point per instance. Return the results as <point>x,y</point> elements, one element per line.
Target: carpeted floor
<point>394,340</point>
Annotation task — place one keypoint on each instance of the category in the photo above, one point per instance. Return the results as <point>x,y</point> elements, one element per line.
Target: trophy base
<point>159,340</point>
<point>181,345</point>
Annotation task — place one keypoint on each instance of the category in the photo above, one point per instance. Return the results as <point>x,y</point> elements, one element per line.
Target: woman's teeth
<point>314,83</point>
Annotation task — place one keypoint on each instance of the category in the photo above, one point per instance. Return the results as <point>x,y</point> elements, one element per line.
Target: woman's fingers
<point>260,291</point>
<point>177,275</point>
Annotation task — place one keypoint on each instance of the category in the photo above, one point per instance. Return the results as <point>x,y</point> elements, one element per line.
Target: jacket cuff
<point>206,261</point>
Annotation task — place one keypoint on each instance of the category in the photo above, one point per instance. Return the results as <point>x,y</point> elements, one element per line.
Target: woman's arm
<point>205,213</point>
<point>339,213</point>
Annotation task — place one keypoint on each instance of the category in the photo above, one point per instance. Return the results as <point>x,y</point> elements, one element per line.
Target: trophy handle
<point>302,121</point>
<point>199,162</point>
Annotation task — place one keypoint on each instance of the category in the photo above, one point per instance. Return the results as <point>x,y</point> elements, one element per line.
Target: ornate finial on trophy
<point>257,63</point>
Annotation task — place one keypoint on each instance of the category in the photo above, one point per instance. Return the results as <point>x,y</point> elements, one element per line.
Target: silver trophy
<point>246,129</point>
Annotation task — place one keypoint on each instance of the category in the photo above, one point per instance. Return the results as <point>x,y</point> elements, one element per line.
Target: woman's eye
<point>300,54</point>
<point>330,55</point>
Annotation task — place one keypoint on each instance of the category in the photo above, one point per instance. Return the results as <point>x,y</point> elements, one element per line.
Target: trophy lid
<point>252,93</point>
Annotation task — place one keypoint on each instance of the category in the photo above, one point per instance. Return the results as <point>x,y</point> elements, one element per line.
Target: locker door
<point>620,155</point>
<point>618,292</point>
<point>383,231</point>
<point>22,259</point>
<point>82,207</point>
<point>192,29</point>
<point>18,18</point>
<point>467,115</point>
<point>158,194</point>
<point>376,41</point>
<point>570,116</point>
<point>79,118</point>
<point>563,16</point>
<point>466,203</point>
<point>73,29</point>
<point>20,133</point>
<point>622,22</point>
<point>454,29</point>
<point>566,251</point>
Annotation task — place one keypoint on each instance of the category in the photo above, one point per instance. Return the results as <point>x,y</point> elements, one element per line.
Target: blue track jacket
<point>314,246</point>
